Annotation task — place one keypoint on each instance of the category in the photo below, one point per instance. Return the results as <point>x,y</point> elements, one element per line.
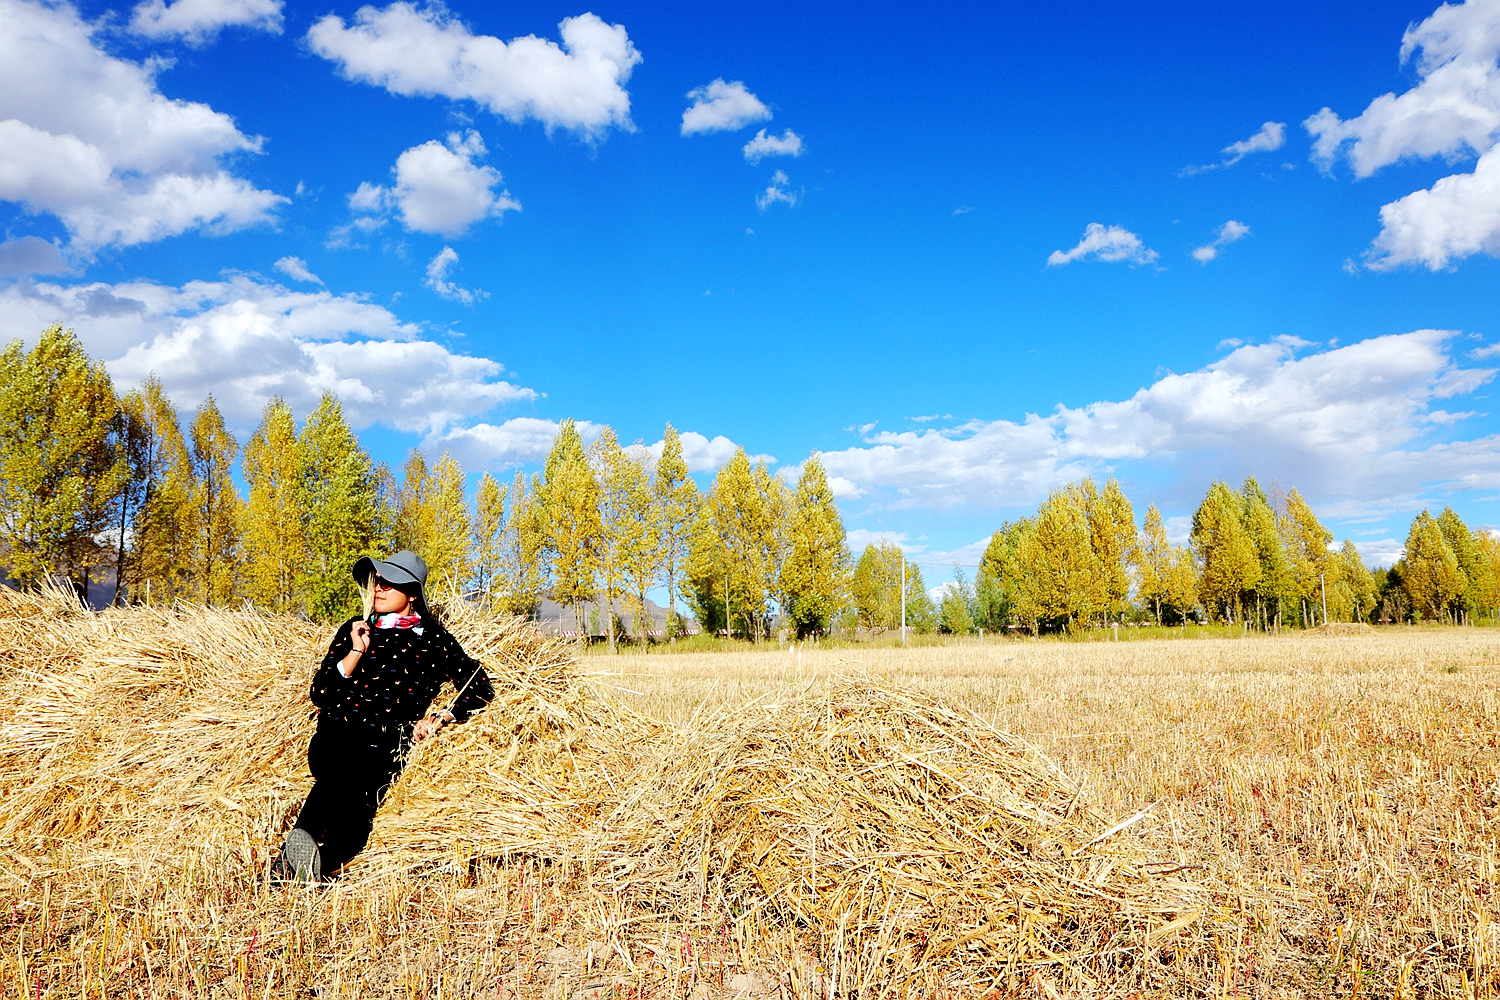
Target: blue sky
<point>959,261</point>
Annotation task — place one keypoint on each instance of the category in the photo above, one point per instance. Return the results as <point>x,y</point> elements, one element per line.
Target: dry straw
<point>868,840</point>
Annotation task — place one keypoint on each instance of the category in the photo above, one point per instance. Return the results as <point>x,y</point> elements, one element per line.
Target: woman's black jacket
<point>397,677</point>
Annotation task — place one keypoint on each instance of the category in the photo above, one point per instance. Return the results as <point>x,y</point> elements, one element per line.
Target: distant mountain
<point>555,617</point>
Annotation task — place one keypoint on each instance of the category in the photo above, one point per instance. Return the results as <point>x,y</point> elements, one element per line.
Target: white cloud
<point>296,269</point>
<point>1226,234</point>
<point>439,188</point>
<point>703,454</point>
<point>245,341</point>
<point>1453,112</point>
<point>426,51</point>
<point>776,191</point>
<point>1355,422</point>
<point>789,143</point>
<point>514,442</point>
<point>30,255</point>
<point>437,279</point>
<point>198,22</point>
<point>1272,135</point>
<point>843,489</point>
<point>1457,217</point>
<point>1454,109</point>
<point>722,107</point>
<point>862,538</point>
<point>88,138</point>
<point>1113,243</point>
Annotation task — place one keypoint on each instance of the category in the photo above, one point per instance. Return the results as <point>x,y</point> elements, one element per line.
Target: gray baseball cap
<point>402,568</point>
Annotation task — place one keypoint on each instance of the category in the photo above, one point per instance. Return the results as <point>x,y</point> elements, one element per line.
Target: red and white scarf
<point>393,620</point>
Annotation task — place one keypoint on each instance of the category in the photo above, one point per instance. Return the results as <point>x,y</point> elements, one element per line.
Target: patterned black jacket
<point>397,677</point>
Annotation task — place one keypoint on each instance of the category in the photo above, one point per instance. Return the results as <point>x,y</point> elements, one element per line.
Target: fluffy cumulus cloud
<point>89,138</point>
<point>198,22</point>
<point>296,269</point>
<point>425,51</point>
<point>245,341</point>
<point>528,439</point>
<point>1272,135</point>
<point>778,190</point>
<point>789,143</point>
<point>1106,243</point>
<point>1361,423</point>
<point>437,279</point>
<point>1457,217</point>
<point>722,107</point>
<point>439,188</point>
<point>514,442</point>
<point>1226,234</point>
<point>704,454</point>
<point>1452,113</point>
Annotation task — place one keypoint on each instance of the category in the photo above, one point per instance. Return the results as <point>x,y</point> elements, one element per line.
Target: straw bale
<point>870,838</point>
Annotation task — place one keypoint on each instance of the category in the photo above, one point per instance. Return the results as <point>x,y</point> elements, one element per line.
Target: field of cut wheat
<point>1256,817</point>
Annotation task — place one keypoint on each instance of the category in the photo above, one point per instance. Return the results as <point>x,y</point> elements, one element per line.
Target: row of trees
<point>92,482</point>
<point>1252,558</point>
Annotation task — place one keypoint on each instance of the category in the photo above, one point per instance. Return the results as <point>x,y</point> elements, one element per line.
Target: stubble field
<point>1255,817</point>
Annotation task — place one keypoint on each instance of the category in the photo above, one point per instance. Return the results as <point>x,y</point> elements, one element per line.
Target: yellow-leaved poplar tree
<point>220,510</point>
<point>276,547</point>
<point>60,471</point>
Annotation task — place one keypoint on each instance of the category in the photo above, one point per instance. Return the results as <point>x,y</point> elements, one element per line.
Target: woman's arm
<point>330,680</point>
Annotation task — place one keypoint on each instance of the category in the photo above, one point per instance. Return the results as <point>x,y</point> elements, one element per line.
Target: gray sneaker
<point>300,860</point>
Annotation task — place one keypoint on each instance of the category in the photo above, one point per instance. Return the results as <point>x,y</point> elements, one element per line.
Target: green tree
<point>815,575</point>
<point>1471,563</point>
<point>220,512</point>
<point>568,501</point>
<point>1274,582</point>
<point>677,501</point>
<point>1154,562</point>
<point>1429,570</point>
<point>1112,534</point>
<point>954,612</point>
<point>432,519</point>
<point>523,567</point>
<point>1356,584</point>
<point>732,555</point>
<point>997,583</point>
<point>1310,563</point>
<point>60,471</point>
<point>615,475</point>
<point>640,535</point>
<point>166,528</point>
<point>276,543</point>
<point>1231,566</point>
<point>1181,585</point>
<point>341,510</point>
<point>1063,582</point>
<point>1488,541</point>
<point>489,537</point>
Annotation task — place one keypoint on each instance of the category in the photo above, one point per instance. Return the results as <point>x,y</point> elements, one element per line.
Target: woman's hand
<point>359,642</point>
<point>430,726</point>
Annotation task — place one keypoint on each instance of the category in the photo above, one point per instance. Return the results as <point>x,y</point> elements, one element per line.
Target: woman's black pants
<point>352,765</point>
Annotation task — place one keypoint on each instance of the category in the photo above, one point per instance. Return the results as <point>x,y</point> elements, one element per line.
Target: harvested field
<point>1257,816</point>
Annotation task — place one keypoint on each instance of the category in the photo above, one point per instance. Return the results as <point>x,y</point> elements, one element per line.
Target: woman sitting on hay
<point>373,691</point>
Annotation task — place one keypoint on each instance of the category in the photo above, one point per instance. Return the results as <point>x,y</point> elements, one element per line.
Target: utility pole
<point>903,597</point>
<point>1324,586</point>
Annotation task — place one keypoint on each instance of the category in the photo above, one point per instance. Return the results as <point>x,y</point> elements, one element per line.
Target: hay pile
<point>865,841</point>
<point>1342,629</point>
